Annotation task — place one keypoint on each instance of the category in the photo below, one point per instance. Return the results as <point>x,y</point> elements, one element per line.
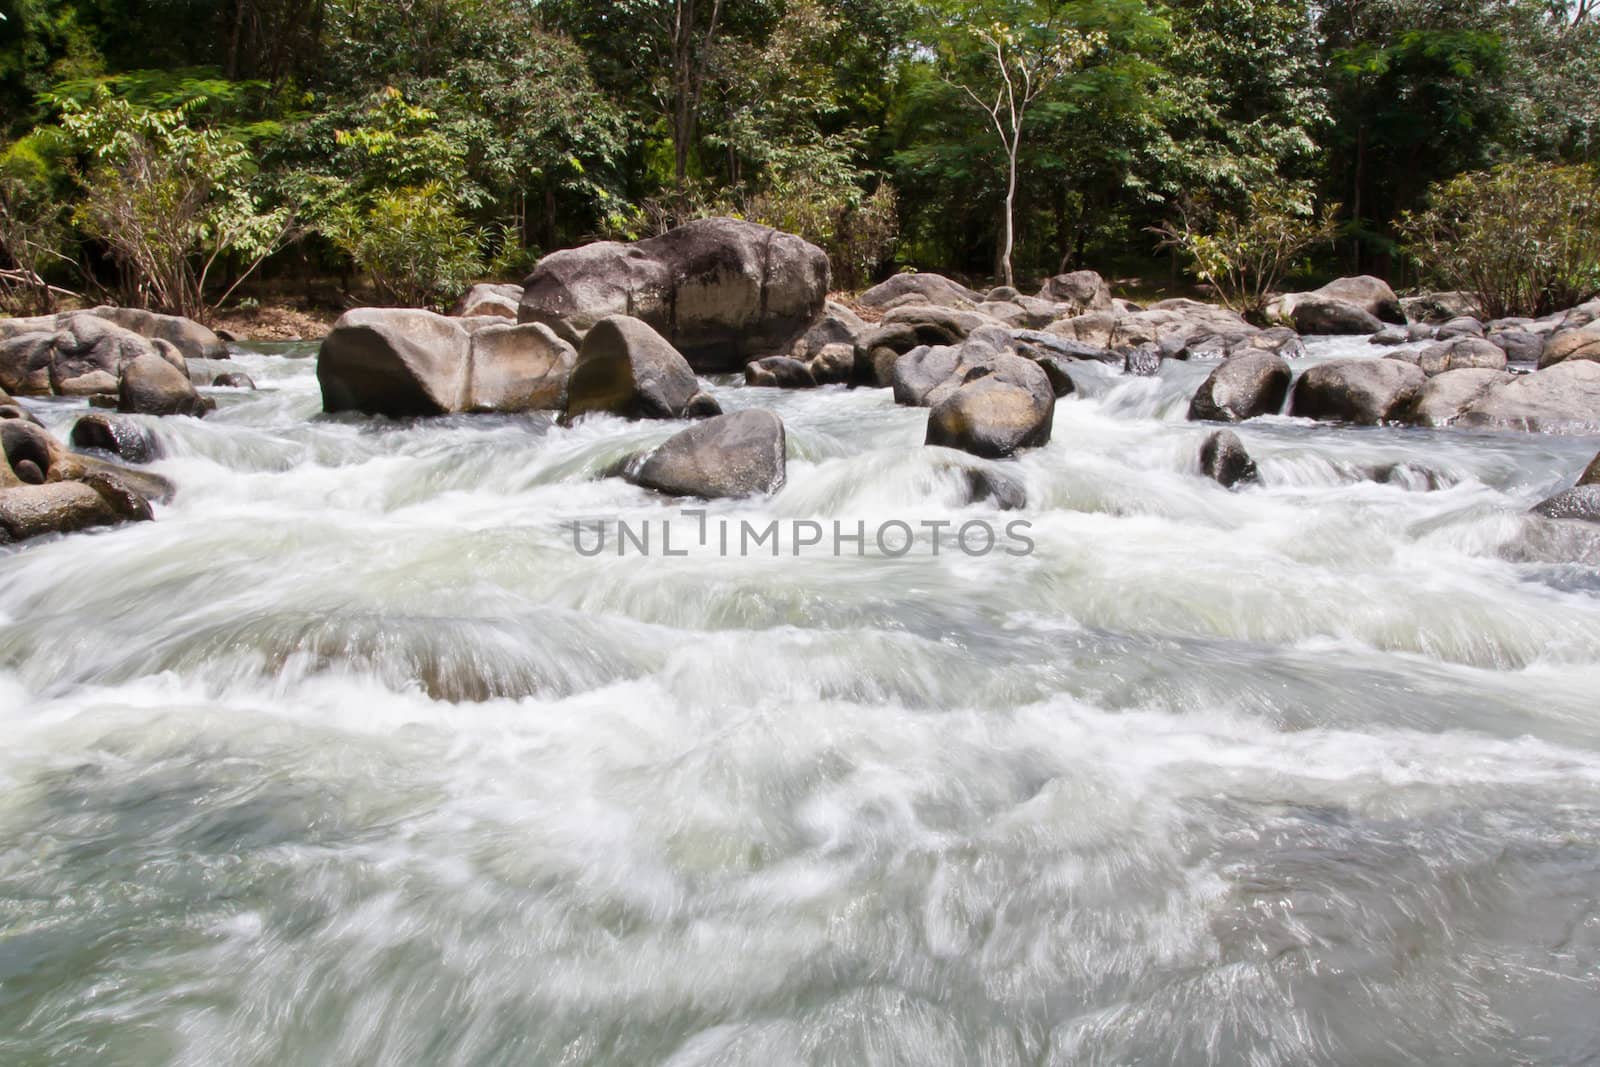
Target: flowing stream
<point>352,758</point>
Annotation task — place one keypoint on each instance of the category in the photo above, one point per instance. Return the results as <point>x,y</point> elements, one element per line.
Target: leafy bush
<point>1244,255</point>
<point>1523,237</point>
<point>414,245</point>
<point>34,236</point>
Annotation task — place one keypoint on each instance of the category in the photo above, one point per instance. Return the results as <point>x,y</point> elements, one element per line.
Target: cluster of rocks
<point>47,488</point>
<point>134,361</point>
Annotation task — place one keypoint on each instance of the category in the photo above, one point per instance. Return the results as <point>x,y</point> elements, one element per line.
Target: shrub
<point>1523,237</point>
<point>1245,255</point>
<point>416,248</point>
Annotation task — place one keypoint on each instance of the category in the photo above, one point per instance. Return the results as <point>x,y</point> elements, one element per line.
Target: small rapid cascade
<point>353,757</point>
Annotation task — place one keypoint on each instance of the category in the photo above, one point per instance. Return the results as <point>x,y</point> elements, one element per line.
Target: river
<point>352,758</point>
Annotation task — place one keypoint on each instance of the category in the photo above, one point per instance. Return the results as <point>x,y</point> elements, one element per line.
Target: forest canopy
<point>172,153</point>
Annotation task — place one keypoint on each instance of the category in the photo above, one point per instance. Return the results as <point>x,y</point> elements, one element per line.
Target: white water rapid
<point>351,758</point>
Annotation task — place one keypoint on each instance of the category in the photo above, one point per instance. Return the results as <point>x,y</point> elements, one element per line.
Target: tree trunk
<point>1011,200</point>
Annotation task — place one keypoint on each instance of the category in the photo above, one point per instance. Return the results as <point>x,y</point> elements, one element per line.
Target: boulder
<point>1243,387</point>
<point>1079,291</point>
<point>45,489</point>
<point>626,368</point>
<point>1055,369</point>
<point>233,380</point>
<point>518,368</point>
<point>1445,396</point>
<point>1366,391</point>
<point>922,370</point>
<point>1568,344</point>
<point>779,372</point>
<point>152,386</point>
<point>1458,353</point>
<point>722,291</point>
<point>1390,336</point>
<point>1563,399</point>
<point>10,409</point>
<point>735,455</point>
<point>56,507</point>
<point>1579,502</point>
<point>702,406</point>
<point>394,361</point>
<point>1441,307</point>
<point>838,325</point>
<point>1370,294</point>
<point>1278,339</point>
<point>1224,460</point>
<point>923,318</point>
<point>1037,344</point>
<point>984,485</point>
<point>1327,315</point>
<point>1142,361</point>
<point>489,299</point>
<point>926,288</point>
<point>833,363</point>
<point>25,360</point>
<point>998,406</point>
<point>192,340</point>
<point>119,435</point>
<point>1460,326</point>
<point>1520,346</point>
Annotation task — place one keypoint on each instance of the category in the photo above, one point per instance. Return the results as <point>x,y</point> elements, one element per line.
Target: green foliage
<point>416,248</point>
<point>170,200</point>
<point>1523,237</point>
<point>35,235</point>
<point>1243,255</point>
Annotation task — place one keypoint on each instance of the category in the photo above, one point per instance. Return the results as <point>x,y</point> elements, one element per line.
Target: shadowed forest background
<point>178,154</point>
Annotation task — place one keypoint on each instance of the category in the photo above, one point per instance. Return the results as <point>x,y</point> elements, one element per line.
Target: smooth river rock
<point>1243,387</point>
<point>734,455</point>
<point>1365,391</point>
<point>626,368</point>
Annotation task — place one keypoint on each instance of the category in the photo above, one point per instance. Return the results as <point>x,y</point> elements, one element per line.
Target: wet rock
<point>1224,459</point>
<point>837,326</point>
<point>1591,473</point>
<point>1566,345</point>
<point>489,298</point>
<point>10,409</point>
<point>779,372</point>
<point>28,511</point>
<point>126,503</point>
<point>152,386</point>
<point>25,360</point>
<point>626,368</point>
<point>922,370</point>
<point>1579,502</point>
<point>1280,340</point>
<point>1055,369</point>
<point>990,486</point>
<point>233,380</point>
<point>1370,294</point>
<point>728,456</point>
<point>1441,307</point>
<point>1326,315</point>
<point>998,406</point>
<point>1079,291</point>
<point>118,435</point>
<point>721,291</point>
<point>1036,344</point>
<point>190,338</point>
<point>1445,396</point>
<point>702,406</point>
<point>1563,399</point>
<point>1365,391</point>
<point>926,288</point>
<point>1390,336</point>
<point>1143,361</point>
<point>1248,385</point>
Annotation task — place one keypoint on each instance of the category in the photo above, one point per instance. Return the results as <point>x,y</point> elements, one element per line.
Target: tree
<point>1028,60</point>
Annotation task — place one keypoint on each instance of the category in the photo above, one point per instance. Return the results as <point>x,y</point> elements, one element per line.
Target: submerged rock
<point>735,455</point>
<point>233,380</point>
<point>120,436</point>
<point>779,372</point>
<point>1579,502</point>
<point>996,408</point>
<point>1224,459</point>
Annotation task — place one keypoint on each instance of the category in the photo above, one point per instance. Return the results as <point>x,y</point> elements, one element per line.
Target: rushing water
<point>351,758</point>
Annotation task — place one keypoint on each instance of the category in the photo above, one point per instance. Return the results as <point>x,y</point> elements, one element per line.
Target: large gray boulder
<point>1520,346</point>
<point>404,362</point>
<point>1370,294</point>
<point>735,455</point>
<point>722,291</point>
<point>118,435</point>
<point>779,372</point>
<point>923,288</point>
<point>152,386</point>
<point>1243,387</point>
<point>45,489</point>
<point>489,299</point>
<point>1445,396</point>
<point>994,408</point>
<point>190,338</point>
<point>1365,391</point>
<point>1458,353</point>
<point>626,368</point>
<point>838,325</point>
<point>1328,315</point>
<point>394,361</point>
<point>1583,343</point>
<point>1079,291</point>
<point>1441,307</point>
<point>518,368</point>
<point>1563,399</point>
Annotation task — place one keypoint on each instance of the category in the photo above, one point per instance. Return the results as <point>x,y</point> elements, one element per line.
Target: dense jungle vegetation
<point>179,153</point>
